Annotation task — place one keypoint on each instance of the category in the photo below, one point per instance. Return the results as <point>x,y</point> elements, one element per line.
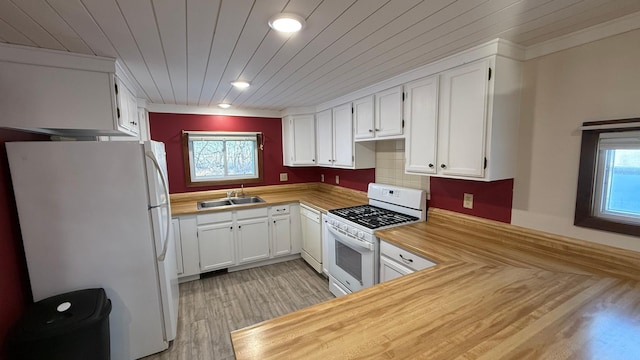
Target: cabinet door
<point>389,113</point>
<point>324,138</point>
<point>421,114</point>
<point>175,223</point>
<point>462,122</point>
<point>253,239</point>
<point>216,246</point>
<point>363,117</point>
<point>281,235</point>
<point>390,269</point>
<point>304,140</point>
<point>343,136</point>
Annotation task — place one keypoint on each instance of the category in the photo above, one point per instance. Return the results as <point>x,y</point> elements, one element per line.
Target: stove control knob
<point>343,227</point>
<point>353,231</point>
<point>330,221</point>
<point>360,234</point>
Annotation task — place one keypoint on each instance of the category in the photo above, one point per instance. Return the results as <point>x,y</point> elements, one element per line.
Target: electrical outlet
<point>321,177</point>
<point>284,177</point>
<point>337,179</point>
<point>468,201</point>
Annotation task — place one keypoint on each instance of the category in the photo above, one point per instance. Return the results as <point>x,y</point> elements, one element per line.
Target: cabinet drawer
<point>252,213</point>
<point>214,217</point>
<point>404,257</point>
<point>280,210</point>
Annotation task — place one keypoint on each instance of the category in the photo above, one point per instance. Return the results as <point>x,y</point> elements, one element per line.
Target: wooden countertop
<point>318,196</point>
<point>498,292</point>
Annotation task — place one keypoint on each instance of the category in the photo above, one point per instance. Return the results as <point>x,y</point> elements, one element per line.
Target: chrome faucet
<point>242,189</point>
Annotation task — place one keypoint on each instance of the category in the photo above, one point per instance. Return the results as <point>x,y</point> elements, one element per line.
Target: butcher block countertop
<point>316,195</point>
<point>498,292</point>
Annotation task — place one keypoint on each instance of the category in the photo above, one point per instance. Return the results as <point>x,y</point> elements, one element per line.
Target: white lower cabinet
<point>281,231</point>
<point>253,240</point>
<point>175,224</point>
<point>217,249</point>
<point>396,262</point>
<point>226,239</point>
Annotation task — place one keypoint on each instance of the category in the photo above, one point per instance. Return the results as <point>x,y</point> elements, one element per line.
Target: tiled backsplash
<point>390,166</point>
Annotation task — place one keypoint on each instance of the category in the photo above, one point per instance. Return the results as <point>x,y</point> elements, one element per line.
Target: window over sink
<point>608,195</point>
<point>218,158</point>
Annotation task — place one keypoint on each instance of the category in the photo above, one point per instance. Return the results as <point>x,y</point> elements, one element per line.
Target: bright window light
<point>618,177</point>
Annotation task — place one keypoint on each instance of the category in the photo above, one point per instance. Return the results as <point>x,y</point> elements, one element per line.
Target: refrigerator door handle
<point>165,244</point>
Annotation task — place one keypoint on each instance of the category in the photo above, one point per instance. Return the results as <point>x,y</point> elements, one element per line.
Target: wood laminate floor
<point>212,307</point>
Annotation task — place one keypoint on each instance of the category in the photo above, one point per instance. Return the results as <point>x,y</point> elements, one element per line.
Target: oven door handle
<point>342,237</point>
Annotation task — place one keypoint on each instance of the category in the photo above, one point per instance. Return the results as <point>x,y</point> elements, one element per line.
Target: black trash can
<point>69,326</point>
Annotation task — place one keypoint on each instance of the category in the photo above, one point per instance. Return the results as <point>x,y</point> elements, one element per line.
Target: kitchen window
<point>608,195</point>
<point>219,158</point>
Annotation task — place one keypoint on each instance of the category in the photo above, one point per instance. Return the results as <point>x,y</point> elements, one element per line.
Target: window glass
<point>618,177</point>
<point>215,157</point>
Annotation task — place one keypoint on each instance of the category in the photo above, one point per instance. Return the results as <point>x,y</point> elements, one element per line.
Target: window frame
<point>198,183</point>
<point>587,188</point>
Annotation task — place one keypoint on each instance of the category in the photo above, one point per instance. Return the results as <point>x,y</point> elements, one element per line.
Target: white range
<point>352,247</point>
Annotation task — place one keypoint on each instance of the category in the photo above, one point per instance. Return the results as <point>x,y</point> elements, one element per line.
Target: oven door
<point>351,261</point>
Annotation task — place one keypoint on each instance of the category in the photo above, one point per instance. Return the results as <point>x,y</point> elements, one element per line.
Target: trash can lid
<point>65,312</point>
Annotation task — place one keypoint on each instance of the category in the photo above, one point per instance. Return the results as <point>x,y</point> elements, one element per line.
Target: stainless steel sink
<point>246,200</point>
<point>208,204</point>
<point>213,203</point>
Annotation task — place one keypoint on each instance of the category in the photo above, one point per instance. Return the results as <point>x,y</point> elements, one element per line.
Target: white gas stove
<point>353,248</point>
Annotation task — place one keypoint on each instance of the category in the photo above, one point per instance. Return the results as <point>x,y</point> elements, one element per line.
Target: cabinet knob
<point>377,129</point>
<point>231,228</point>
<point>431,166</point>
<point>313,160</point>
<point>443,166</point>
<point>370,130</point>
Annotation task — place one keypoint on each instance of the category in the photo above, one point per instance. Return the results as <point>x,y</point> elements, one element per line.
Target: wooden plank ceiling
<point>188,51</point>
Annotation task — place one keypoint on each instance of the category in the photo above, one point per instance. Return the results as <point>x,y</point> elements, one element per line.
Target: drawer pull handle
<point>408,261</point>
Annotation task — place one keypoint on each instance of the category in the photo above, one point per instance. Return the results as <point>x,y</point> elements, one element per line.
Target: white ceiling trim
<point>610,28</point>
<point>204,110</point>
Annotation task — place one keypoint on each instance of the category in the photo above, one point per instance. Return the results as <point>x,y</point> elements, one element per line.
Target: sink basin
<point>213,203</point>
<point>246,200</point>
<point>208,204</point>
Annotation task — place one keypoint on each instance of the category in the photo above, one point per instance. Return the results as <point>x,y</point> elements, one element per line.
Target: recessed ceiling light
<point>287,23</point>
<point>240,84</point>
<point>224,105</point>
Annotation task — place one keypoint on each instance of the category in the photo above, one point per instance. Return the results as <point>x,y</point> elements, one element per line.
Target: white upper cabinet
<point>299,140</point>
<point>343,136</point>
<point>421,115</point>
<point>336,146</point>
<point>463,120</point>
<point>60,93</point>
<point>388,114</point>
<point>468,128</point>
<point>364,118</point>
<point>379,116</point>
<point>324,137</point>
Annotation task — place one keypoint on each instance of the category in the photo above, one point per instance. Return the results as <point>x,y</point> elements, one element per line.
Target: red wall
<point>168,129</point>
<point>14,280</point>
<point>491,200</point>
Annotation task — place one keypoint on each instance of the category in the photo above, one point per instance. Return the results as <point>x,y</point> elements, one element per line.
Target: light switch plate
<point>337,179</point>
<point>321,177</point>
<point>284,176</point>
<point>468,201</point>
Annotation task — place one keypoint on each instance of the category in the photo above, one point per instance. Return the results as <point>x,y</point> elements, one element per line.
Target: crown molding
<point>600,31</point>
<point>203,110</point>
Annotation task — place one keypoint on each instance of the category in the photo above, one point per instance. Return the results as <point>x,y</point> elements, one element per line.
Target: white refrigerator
<point>97,214</point>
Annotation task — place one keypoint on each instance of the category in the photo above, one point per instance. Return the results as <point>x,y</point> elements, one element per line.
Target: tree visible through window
<point>222,157</point>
